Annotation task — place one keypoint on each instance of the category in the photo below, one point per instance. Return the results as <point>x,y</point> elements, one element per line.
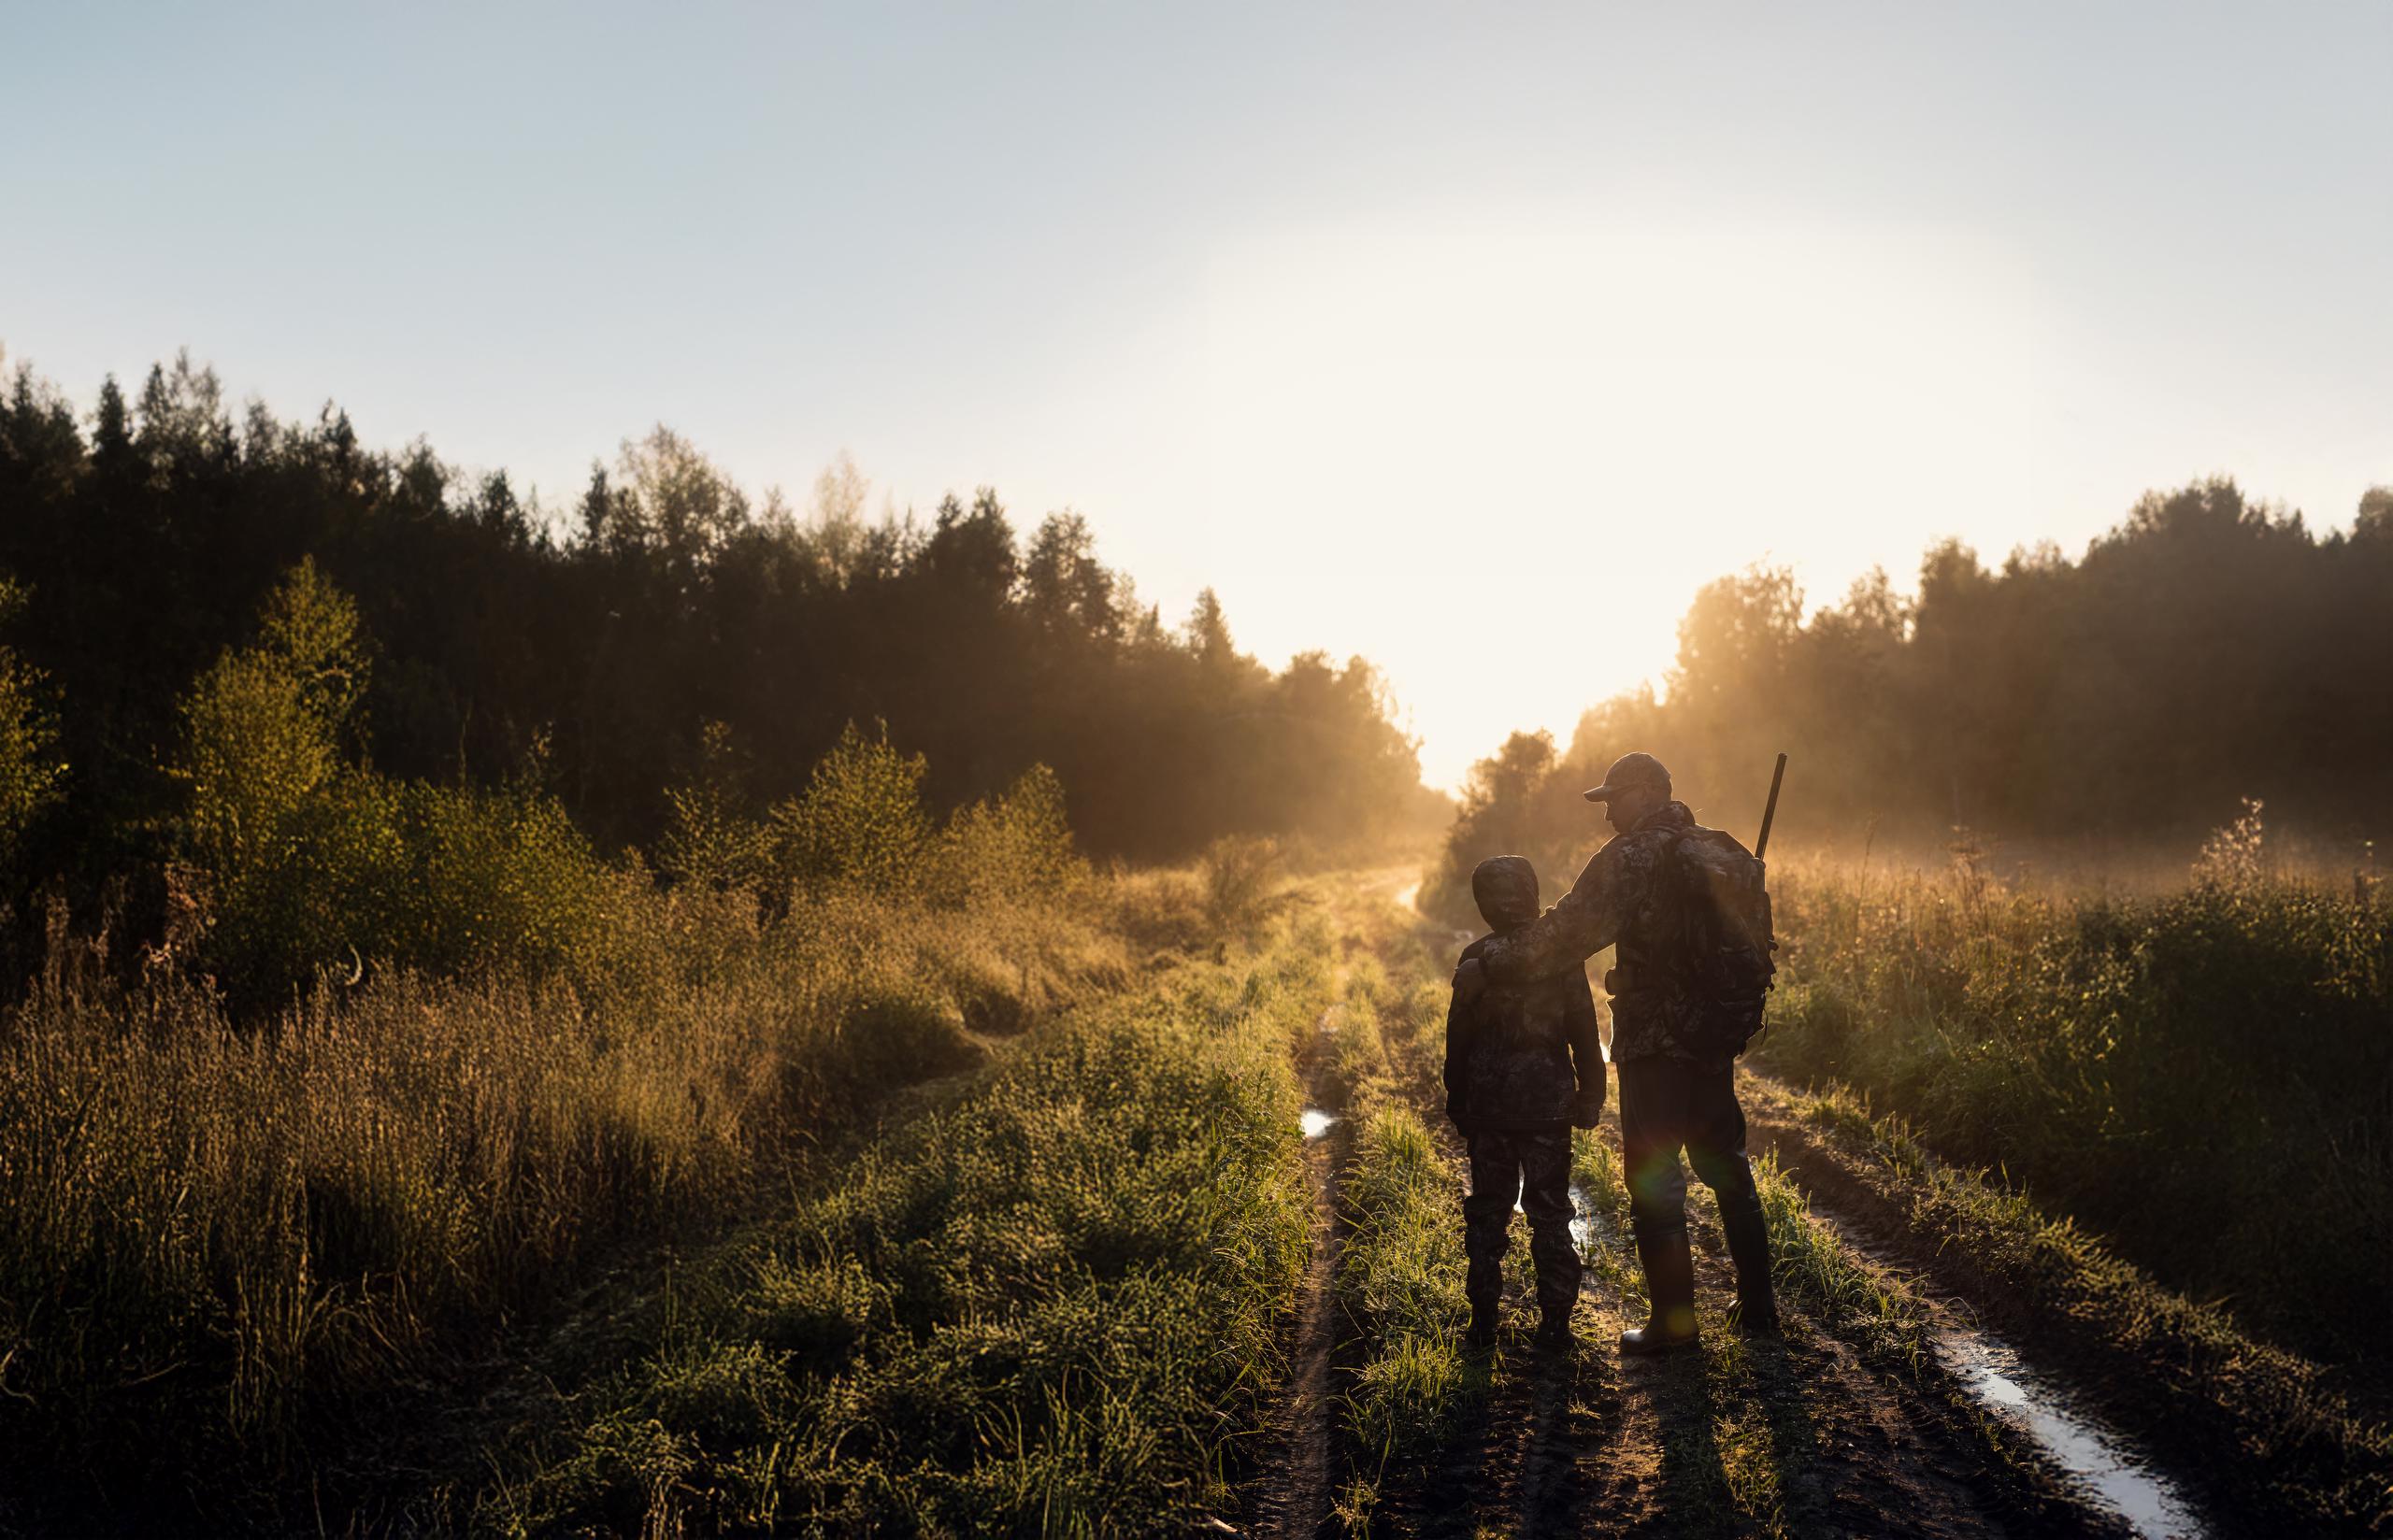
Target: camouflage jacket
<point>1523,1055</point>
<point>1622,898</point>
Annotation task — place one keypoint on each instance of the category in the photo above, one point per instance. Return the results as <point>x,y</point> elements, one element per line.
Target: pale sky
<point>1468,338</point>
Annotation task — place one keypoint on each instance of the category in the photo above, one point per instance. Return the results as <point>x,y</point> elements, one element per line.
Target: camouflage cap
<point>1631,769</point>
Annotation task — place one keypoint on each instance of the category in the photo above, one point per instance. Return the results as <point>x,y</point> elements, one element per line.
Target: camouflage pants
<point>1532,1166</point>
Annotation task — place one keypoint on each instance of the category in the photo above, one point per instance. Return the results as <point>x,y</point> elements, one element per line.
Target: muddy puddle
<point>1316,1122</point>
<point>2103,1464</point>
<point>1583,1229</point>
<point>2102,1461</point>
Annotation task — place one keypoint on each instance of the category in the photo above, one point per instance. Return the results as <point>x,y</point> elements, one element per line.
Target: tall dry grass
<point>220,1240</point>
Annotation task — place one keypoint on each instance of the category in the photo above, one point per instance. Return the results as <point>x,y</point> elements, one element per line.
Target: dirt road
<point>1816,1435</point>
<point>1843,1427</point>
<point>1292,1498</point>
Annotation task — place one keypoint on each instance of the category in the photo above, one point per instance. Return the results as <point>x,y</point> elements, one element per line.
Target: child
<point>1524,1067</point>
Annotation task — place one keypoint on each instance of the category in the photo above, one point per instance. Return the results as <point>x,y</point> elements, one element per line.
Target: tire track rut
<point>1299,1459</point>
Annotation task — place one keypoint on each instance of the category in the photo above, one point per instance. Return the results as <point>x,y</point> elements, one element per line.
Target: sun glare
<point>1498,454</point>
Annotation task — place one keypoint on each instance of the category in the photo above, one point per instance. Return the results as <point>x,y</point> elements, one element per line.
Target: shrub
<point>30,773</point>
<point>308,861</point>
<point>709,837</point>
<point>2220,1051</point>
<point>261,728</point>
<point>1241,874</point>
<point>496,878</point>
<point>1014,849</point>
<point>859,821</point>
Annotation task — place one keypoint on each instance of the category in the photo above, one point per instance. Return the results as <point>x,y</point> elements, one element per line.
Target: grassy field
<point>2203,1076</point>
<point>928,1216</point>
<point>222,1243</point>
<point>231,1252</point>
<point>1049,1308</point>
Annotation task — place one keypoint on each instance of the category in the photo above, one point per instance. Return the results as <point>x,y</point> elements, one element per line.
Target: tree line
<point>2207,650</point>
<point>671,632</point>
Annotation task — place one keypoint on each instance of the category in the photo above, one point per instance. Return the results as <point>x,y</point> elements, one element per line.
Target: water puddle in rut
<point>2096,1457</point>
<point>2104,1464</point>
<point>1315,1122</point>
<point>1583,1227</point>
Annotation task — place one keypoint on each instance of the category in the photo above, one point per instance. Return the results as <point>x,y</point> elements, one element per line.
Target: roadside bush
<point>307,862</point>
<point>1244,885</point>
<point>1162,909</point>
<point>31,775</point>
<point>1016,848</point>
<point>710,839</point>
<point>492,878</point>
<point>859,823</point>
<point>2205,1076</point>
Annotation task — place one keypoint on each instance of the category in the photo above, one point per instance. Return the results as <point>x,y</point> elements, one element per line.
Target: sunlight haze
<point>1471,342</point>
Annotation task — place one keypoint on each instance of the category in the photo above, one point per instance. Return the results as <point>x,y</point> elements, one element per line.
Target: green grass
<point>1400,1271</point>
<point>2206,1075</point>
<point>1054,1307</point>
<point>1864,1305</point>
<point>2277,1427</point>
<point>224,1246</point>
<point>1400,1281</point>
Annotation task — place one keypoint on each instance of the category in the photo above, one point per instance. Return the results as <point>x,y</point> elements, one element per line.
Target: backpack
<point>1724,922</point>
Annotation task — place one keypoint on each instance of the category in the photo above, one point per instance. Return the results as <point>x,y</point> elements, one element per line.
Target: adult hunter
<point>1687,908</point>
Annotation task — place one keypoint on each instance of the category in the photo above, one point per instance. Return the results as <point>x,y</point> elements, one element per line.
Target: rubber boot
<point>1748,1232</point>
<point>1669,1281</point>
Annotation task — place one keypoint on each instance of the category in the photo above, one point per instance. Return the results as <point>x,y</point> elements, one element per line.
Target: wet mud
<point>2110,1469</point>
<point>2032,1388</point>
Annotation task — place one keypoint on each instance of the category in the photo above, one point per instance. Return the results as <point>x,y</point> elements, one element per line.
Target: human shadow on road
<point>1777,1386</point>
<point>1461,1457</point>
<point>1569,1397</point>
<point>1694,1488</point>
<point>1515,1449</point>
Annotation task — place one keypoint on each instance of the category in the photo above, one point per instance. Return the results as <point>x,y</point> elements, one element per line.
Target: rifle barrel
<point>1769,811</point>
